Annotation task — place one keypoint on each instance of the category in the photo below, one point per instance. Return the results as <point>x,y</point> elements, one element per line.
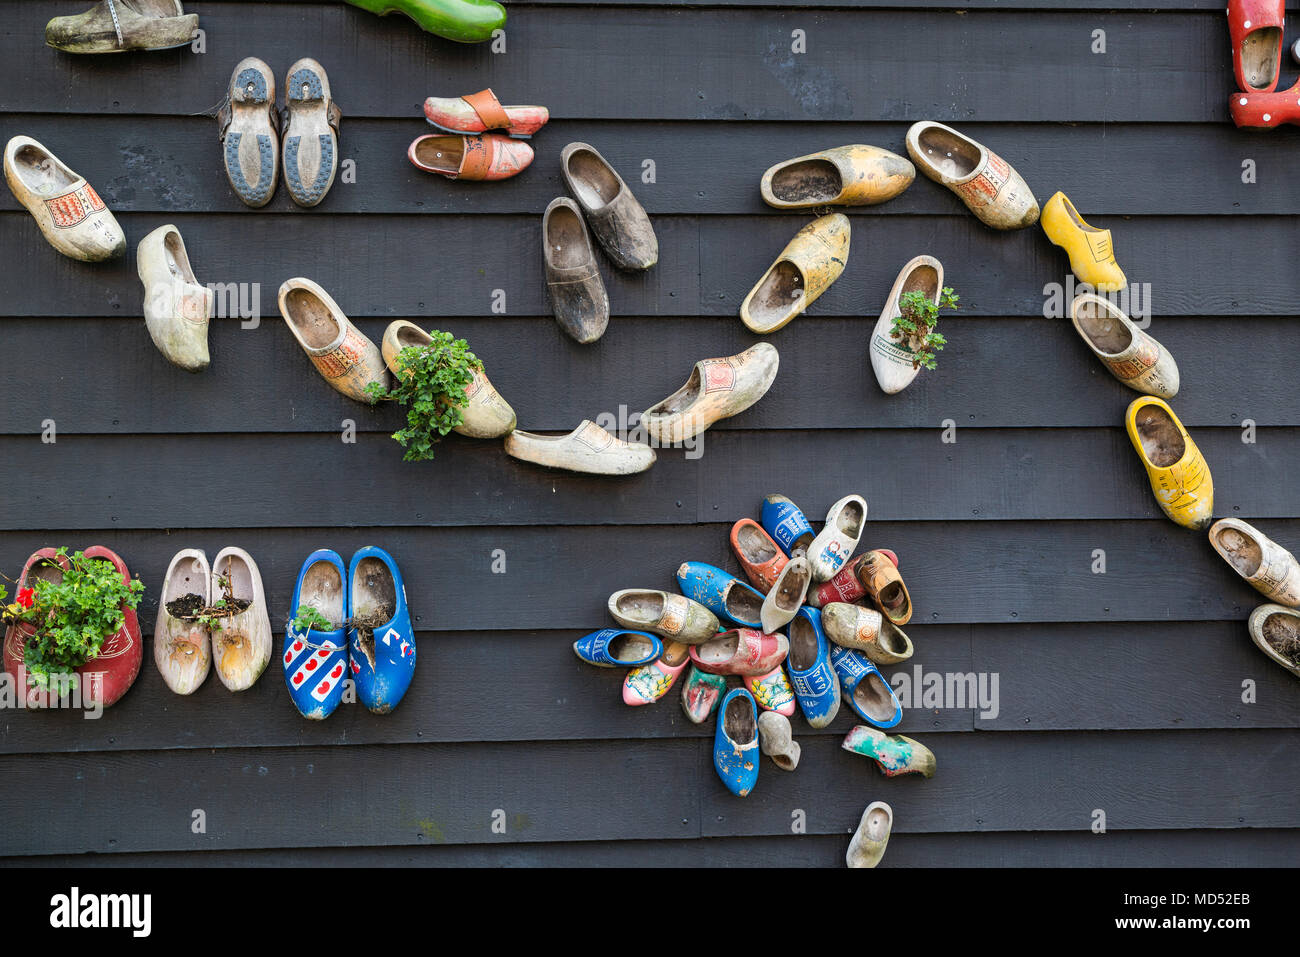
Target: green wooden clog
<point>466,21</point>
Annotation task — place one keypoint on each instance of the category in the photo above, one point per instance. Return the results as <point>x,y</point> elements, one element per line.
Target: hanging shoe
<point>1091,250</point>
<point>182,647</point>
<point>381,657</point>
<point>649,683</point>
<point>717,389</point>
<point>465,21</point>
<point>787,595</point>
<point>872,836</point>
<point>894,364</point>
<point>845,586</point>
<point>70,214</point>
<point>588,449</point>
<point>1265,111</point>
<point>311,133</point>
<point>777,739</point>
<point>895,754</point>
<point>983,180</point>
<point>116,26</point>
<point>241,649</point>
<point>616,648</point>
<point>1268,567</point>
<point>1255,29</point>
<point>577,293</point>
<point>866,630</point>
<point>1130,355</point>
<point>884,586</point>
<point>491,156</point>
<point>805,269</point>
<point>816,686</point>
<point>1275,630</point>
<point>721,593</point>
<point>743,652</point>
<point>787,525</point>
<point>772,691</point>
<point>346,359</point>
<point>1179,477</point>
<point>701,694</point>
<point>250,132</point>
<point>735,742</point>
<point>760,557</point>
<point>481,112</point>
<point>675,617</point>
<point>176,305</point>
<point>854,175</point>
<point>865,689</point>
<point>315,662</point>
<point>110,674</point>
<point>838,538</point>
<point>617,220</point>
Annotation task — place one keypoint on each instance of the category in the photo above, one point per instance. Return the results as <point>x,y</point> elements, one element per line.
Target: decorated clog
<point>176,305</point>
<point>777,740</point>
<point>1269,568</point>
<point>649,683</point>
<point>481,112</point>
<point>182,647</point>
<point>666,615</point>
<point>315,661</point>
<point>70,214</point>
<point>117,26</point>
<point>786,597</point>
<point>311,133</point>
<point>983,180</point>
<point>735,742</point>
<point>845,586</point>
<point>816,685</point>
<point>579,301</point>
<point>381,640</point>
<point>895,364</point>
<point>1255,31</point>
<point>1130,355</point>
<point>250,133</point>
<point>617,220</point>
<point>1266,111</point>
<point>241,648</point>
<point>787,525</point>
<point>1091,251</point>
<point>1179,477</point>
<point>110,674</point>
<point>866,630</point>
<point>1275,629</point>
<point>588,449</point>
<point>760,557</point>
<point>772,691</point>
<point>721,593</point>
<point>895,754</point>
<point>346,359</point>
<point>491,156</point>
<point>717,389</point>
<point>854,175</point>
<point>807,266</point>
<point>872,836</point>
<point>865,689</point>
<point>741,652</point>
<point>838,538</point>
<point>617,648</point>
<point>465,21</point>
<point>701,694</point>
<point>47,564</point>
<point>884,586</point>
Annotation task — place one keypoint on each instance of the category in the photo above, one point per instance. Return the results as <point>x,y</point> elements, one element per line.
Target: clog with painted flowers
<point>316,659</point>
<point>786,523</point>
<point>488,157</point>
<point>865,689</point>
<point>1255,30</point>
<point>1091,250</point>
<point>760,557</point>
<point>866,630</point>
<point>1130,355</point>
<point>805,269</point>
<point>1180,479</point>
<point>721,593</point>
<point>482,111</point>
<point>872,836</point>
<point>845,586</point>
<point>344,357</point>
<point>381,641</point>
<point>772,691</point>
<point>1269,568</point>
<point>669,616</point>
<point>838,537</point>
<point>816,685</point>
<point>717,389</point>
<point>701,694</point>
<point>70,214</point>
<point>884,586</point>
<point>854,175</point>
<point>648,683</point>
<point>983,180</point>
<point>741,652</point>
<point>894,754</point>
<point>735,742</point>
<point>618,648</point>
<point>787,595</point>
<point>1275,629</point>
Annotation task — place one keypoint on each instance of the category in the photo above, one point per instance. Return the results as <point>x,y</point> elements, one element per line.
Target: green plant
<point>431,383</point>
<point>914,327</point>
<point>309,618</point>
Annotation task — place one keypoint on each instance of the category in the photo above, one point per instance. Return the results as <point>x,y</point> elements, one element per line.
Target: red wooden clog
<point>112,672</point>
<point>1264,111</point>
<point>1256,30</point>
<point>759,556</point>
<point>44,563</point>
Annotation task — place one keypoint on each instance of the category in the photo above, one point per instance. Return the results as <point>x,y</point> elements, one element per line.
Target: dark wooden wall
<point>1120,692</point>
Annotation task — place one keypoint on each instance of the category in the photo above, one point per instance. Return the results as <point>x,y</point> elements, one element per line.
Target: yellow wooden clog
<point>1092,255</point>
<point>1179,476</point>
<point>805,269</point>
<point>853,175</point>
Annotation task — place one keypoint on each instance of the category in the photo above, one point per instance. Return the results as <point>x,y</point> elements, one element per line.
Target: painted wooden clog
<point>485,414</point>
<point>984,181</point>
<point>1269,568</point>
<point>740,652</point>
<point>1275,629</point>
<point>1179,477</point>
<point>664,614</point>
<point>49,565</point>
<point>865,689</point>
<point>588,448</point>
<point>465,21</point>
<point>182,649</point>
<point>786,597</point>
<point>250,133</point>
<point>116,26</point>
<point>381,657</point>
<point>346,359</point>
<point>577,292</point>
<point>807,266</point>
<point>816,685</point>
<point>176,305</point>
<point>311,133</point>
<point>884,586</point>
<point>1131,356</point>
<point>70,214</point>
<point>1091,250</point>
<point>490,156</point>
<point>481,112</point>
<point>895,365</point>
<point>777,740</point>
<point>772,691</point>
<point>721,593</point>
<point>1255,30</point>
<point>316,662</point>
<point>618,648</point>
<point>617,220</point>
<point>110,674</point>
<point>838,538</point>
<point>717,389</point>
<point>649,683</point>
<point>735,742</point>
<point>854,175</point>
<point>241,649</point>
<point>760,557</point>
<point>894,754</point>
<point>701,694</point>
<point>845,586</point>
<point>872,836</point>
<point>787,525</point>
<point>1266,111</point>
<point>866,630</point>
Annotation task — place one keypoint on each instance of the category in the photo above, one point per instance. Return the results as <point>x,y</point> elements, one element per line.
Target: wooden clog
<point>1180,479</point>
<point>182,648</point>
<point>250,132</point>
<point>838,538</point>
<point>49,565</point>
<point>1269,568</point>
<point>649,683</point>
<point>866,630</point>
<point>1275,629</point>
<point>717,389</point>
<point>720,592</point>
<point>618,648</point>
<point>872,836</point>
<point>845,586</point>
<point>1266,111</point>
<point>341,354</point>
<point>894,754</point>
<point>176,305</point>
<point>316,661</point>
<point>1255,30</point>
<point>787,524</point>
<point>787,595</point>
<point>894,364</point>
<point>481,112</point>
<point>884,586</point>
<point>1091,250</point>
<point>311,128</point>
<point>110,674</point>
<point>241,649</point>
<point>578,298</point>
<point>701,694</point>
<point>805,269</point>
<point>70,214</point>
<point>1130,355</point>
<point>760,557</point>
<point>465,21</point>
<point>735,742</point>
<point>491,156</point>
<point>617,220</point>
<point>984,181</point>
<point>816,685</point>
<point>588,448</point>
<point>772,691</point>
<point>116,26</point>
<point>485,414</point>
<point>854,175</point>
<point>664,614</point>
<point>865,689</point>
<point>740,652</point>
<point>777,740</point>
<point>382,648</point>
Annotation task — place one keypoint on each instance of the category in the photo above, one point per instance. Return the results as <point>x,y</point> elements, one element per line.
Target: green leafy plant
<point>431,384</point>
<point>308,618</point>
<point>915,326</point>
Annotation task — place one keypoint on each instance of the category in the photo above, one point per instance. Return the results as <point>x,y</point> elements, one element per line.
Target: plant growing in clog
<point>431,384</point>
<point>914,327</point>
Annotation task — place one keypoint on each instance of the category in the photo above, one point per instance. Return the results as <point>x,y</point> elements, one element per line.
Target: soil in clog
<point>893,598</point>
<point>190,608</point>
<point>1161,440</point>
<point>807,182</point>
<point>1243,553</point>
<point>375,598</point>
<point>1283,633</point>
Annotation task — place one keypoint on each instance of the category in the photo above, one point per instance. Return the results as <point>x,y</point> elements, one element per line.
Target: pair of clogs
<point>1273,572</point>
<point>465,21</point>
<point>372,640</point>
<point>480,139</point>
<point>68,211</point>
<point>1179,475</point>
<point>1255,30</point>
<point>117,26</point>
<point>208,612</point>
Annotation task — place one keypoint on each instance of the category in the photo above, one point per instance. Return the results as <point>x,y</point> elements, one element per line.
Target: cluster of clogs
<point>1255,29</point>
<point>479,139</point>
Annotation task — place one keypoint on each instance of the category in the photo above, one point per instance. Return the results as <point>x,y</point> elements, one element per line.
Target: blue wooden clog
<point>816,685</point>
<point>382,657</point>
<point>617,648</point>
<point>721,593</point>
<point>315,662</point>
<point>735,743</point>
<point>787,525</point>
<point>865,688</point>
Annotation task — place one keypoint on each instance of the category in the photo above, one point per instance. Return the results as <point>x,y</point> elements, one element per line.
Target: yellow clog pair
<point>1179,476</point>
<point>1092,254</point>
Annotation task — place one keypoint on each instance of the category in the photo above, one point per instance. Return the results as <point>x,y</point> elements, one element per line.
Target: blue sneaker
<point>735,743</point>
<point>384,662</point>
<point>616,648</point>
<point>315,661</point>
<point>786,524</point>
<point>816,685</point>
<point>721,593</point>
<point>865,688</point>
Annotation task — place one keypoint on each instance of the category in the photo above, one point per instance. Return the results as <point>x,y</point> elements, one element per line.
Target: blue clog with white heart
<point>382,658</point>
<point>735,742</point>
<point>787,525</point>
<point>865,688</point>
<point>721,593</point>
<point>618,648</point>
<point>315,662</point>
<point>816,685</point>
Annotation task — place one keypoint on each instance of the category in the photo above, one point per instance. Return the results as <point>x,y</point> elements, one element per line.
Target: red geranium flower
<point>26,596</point>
